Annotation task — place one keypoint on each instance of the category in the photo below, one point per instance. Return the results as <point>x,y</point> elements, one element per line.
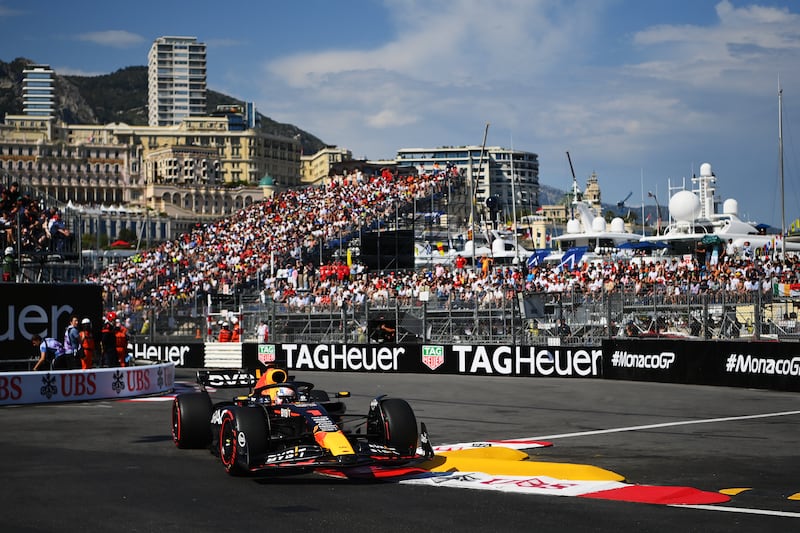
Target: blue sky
<point>642,92</point>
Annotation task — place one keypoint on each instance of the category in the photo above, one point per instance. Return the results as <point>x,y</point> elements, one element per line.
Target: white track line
<point>718,508</point>
<point>743,510</point>
<point>663,425</point>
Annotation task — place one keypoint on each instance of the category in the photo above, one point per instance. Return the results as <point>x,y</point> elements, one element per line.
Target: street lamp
<point>658,212</point>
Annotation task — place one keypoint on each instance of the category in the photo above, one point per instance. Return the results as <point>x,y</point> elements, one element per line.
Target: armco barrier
<point>763,365</point>
<point>81,385</point>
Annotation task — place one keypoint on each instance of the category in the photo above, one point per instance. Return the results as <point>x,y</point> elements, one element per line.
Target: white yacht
<point>591,234</point>
<point>693,217</point>
<point>500,245</point>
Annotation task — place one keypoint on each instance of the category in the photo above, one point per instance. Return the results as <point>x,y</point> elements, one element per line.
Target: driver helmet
<point>9,251</point>
<point>281,395</point>
<point>86,322</point>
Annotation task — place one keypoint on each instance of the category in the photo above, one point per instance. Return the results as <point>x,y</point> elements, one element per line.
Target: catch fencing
<point>522,318</point>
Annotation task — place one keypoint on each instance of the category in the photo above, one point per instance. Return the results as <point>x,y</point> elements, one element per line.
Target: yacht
<point>591,236</point>
<point>694,217</point>
<point>500,245</point>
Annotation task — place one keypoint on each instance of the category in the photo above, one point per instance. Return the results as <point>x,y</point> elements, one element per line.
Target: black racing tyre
<point>191,420</point>
<point>242,437</point>
<point>319,395</point>
<point>400,425</point>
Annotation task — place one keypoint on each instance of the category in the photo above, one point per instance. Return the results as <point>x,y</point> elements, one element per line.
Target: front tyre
<point>399,426</point>
<point>191,420</point>
<point>242,438</point>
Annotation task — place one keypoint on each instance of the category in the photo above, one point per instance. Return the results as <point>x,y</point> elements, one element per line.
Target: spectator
<point>563,329</point>
<point>262,333</point>
<point>58,233</point>
<point>747,251</point>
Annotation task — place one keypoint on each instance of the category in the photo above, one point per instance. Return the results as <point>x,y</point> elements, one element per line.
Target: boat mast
<point>514,203</point>
<point>780,166</point>
<point>575,190</point>
<point>474,191</point>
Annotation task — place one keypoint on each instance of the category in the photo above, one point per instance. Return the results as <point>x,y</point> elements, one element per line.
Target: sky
<point>640,92</point>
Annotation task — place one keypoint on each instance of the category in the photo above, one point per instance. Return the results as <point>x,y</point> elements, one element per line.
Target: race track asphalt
<point>112,466</point>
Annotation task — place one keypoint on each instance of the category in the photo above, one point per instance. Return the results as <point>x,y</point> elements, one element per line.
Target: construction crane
<point>621,203</point>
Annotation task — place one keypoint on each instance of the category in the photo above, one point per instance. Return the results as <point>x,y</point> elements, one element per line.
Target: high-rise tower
<point>176,80</point>
<point>38,91</point>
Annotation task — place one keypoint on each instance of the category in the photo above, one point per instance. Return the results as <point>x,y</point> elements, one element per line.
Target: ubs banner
<point>43,309</point>
<point>497,360</point>
<point>760,365</point>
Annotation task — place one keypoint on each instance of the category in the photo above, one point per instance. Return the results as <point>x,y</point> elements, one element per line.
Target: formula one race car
<point>288,426</point>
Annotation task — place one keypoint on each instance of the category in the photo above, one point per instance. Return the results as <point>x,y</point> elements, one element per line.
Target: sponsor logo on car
<point>325,424</point>
<point>291,454</point>
<point>228,379</point>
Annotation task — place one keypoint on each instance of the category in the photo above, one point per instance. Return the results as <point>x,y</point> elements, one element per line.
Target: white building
<point>38,91</point>
<point>488,172</point>
<point>176,80</point>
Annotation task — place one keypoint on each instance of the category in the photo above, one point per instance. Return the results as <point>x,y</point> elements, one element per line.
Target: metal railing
<point>523,319</point>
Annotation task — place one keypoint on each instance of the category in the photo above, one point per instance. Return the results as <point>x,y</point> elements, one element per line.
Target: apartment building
<point>176,80</point>
<point>512,176</point>
<point>38,91</point>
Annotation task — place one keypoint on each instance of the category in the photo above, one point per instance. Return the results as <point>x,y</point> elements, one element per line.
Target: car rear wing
<point>225,378</point>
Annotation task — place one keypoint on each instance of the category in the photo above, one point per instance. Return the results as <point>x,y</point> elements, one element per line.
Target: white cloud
<point>113,38</point>
<point>223,43</point>
<point>6,11</point>
<point>543,73</point>
<point>69,71</point>
<point>743,51</point>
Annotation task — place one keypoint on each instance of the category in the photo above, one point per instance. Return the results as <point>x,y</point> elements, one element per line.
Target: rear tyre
<point>319,395</point>
<point>242,438</point>
<point>400,425</point>
<point>191,420</point>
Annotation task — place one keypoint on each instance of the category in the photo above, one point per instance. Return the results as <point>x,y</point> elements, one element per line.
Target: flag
<point>537,258</point>
<point>791,290</point>
<point>572,257</point>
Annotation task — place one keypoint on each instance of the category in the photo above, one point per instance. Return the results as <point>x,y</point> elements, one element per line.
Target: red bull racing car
<point>288,426</point>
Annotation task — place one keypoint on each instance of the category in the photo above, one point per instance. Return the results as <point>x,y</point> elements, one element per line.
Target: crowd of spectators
<point>27,226</point>
<point>247,248</point>
<point>266,247</point>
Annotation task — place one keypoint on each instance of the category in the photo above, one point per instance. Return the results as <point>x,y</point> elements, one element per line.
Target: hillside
<point>122,97</point>
<point>118,97</point>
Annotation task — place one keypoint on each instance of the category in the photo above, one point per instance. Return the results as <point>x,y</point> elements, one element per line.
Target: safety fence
<point>526,318</point>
